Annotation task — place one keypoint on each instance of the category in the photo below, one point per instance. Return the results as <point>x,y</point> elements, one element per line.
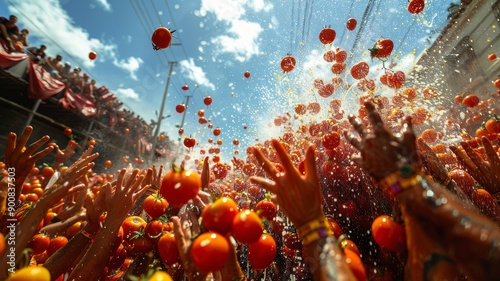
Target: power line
<point>156,11</point>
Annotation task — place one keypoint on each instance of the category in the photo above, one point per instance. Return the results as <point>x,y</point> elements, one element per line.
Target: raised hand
<point>382,153</point>
<point>299,195</point>
<point>485,172</point>
<point>21,158</point>
<point>65,154</point>
<point>120,199</point>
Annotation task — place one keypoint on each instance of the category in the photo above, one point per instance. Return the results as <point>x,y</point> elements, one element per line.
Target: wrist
<point>92,228</point>
<point>402,179</point>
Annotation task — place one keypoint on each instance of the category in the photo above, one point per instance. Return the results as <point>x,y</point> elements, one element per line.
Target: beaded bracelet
<point>321,233</point>
<point>307,228</point>
<point>402,179</point>
<point>87,234</point>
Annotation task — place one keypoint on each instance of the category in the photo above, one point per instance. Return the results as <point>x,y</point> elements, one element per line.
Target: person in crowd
<point>37,54</point>
<point>88,87</point>
<point>9,31</point>
<point>55,66</point>
<point>23,37</point>
<point>77,81</point>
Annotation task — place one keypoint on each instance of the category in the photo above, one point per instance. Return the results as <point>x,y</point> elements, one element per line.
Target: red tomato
<point>355,264</point>
<point>288,63</point>
<point>262,252</point>
<point>180,186</point>
<point>185,87</point>
<point>340,56</point>
<point>493,126</point>
<point>351,24</point>
<point>247,226</point>
<point>220,170</point>
<point>2,243</point>
<point>326,90</point>
<point>396,79</point>
<point>207,100</point>
<point>56,244</point>
<point>68,132</point>
<point>327,35</point>
<point>329,56</point>
<point>389,234</point>
<point>167,248</point>
<point>217,131</point>
<point>107,163</point>
<point>429,135</point>
<point>180,108</point>
<point>266,209</point>
<point>300,109</point>
<point>189,142</point>
<point>38,243</point>
<point>492,56</point>
<point>210,251</point>
<point>416,6</point>
<point>382,48</point>
<point>338,68</point>
<point>47,172</point>
<point>360,70</point>
<point>161,38</point>
<point>331,140</point>
<point>92,55</point>
<point>140,243</point>
<point>132,224</point>
<point>247,74</point>
<point>219,215</point>
<point>155,228</point>
<point>470,100</point>
<point>155,205</point>
<point>73,229</point>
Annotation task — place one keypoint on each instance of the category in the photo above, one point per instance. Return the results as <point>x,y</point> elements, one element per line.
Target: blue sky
<point>220,40</point>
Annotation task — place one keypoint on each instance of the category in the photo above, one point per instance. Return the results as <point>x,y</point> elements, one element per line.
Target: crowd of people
<point>107,108</point>
<point>449,219</point>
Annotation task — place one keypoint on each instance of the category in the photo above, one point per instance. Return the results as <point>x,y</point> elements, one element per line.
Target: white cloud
<point>131,65</point>
<point>195,73</point>
<point>224,10</point>
<point>105,5</point>
<point>260,5</point>
<point>241,37</point>
<point>127,93</point>
<point>244,44</point>
<point>73,42</point>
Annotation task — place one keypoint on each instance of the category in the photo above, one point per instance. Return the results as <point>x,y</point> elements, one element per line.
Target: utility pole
<point>160,116</point>
<point>184,115</point>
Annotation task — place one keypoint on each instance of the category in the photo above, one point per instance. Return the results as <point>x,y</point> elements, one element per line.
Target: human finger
<point>284,157</point>
<point>10,147</point>
<point>265,183</point>
<point>352,140</point>
<point>39,155</point>
<point>23,139</point>
<point>267,166</point>
<point>375,119</point>
<point>310,165</point>
<point>356,124</point>
<point>205,174</point>
<point>492,155</point>
<point>472,154</point>
<point>36,145</point>
<point>87,151</point>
